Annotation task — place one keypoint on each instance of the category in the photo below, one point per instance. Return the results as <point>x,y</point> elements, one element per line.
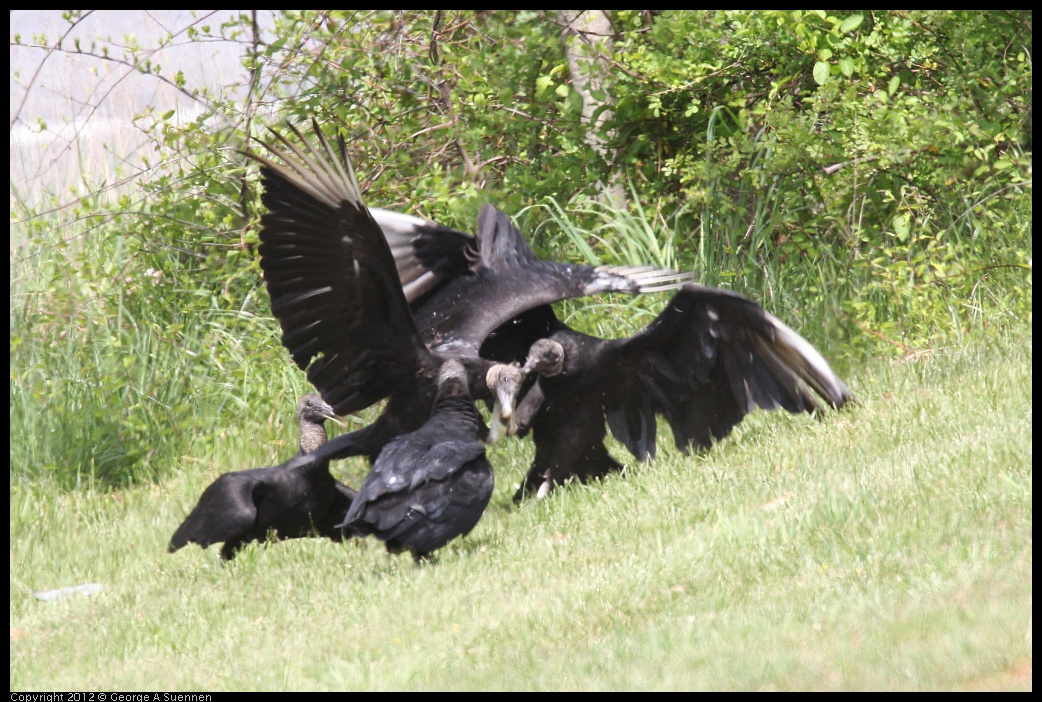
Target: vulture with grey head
<point>709,358</point>
<point>345,313</point>
<point>291,501</point>
<point>431,485</point>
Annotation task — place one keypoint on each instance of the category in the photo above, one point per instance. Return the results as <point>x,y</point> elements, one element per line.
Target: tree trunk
<point>587,39</point>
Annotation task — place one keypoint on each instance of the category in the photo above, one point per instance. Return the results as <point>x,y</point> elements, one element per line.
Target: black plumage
<point>245,506</point>
<point>491,290</point>
<point>465,288</point>
<point>431,485</point>
<point>708,359</point>
<point>336,290</point>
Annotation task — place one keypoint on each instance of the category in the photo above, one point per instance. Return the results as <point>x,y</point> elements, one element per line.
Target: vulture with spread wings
<point>346,319</point>
<point>709,358</point>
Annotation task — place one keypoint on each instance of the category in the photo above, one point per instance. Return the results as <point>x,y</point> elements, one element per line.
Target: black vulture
<point>336,292</point>
<point>710,358</point>
<point>454,281</point>
<point>431,485</point>
<point>293,502</point>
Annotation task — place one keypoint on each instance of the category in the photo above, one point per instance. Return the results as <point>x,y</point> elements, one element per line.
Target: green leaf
<point>821,72</point>
<point>895,83</point>
<point>851,23</point>
<point>846,65</point>
<point>902,227</point>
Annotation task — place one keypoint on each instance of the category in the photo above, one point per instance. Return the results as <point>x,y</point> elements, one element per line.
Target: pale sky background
<point>87,103</point>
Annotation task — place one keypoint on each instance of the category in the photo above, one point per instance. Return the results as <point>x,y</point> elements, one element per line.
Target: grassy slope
<point>886,547</point>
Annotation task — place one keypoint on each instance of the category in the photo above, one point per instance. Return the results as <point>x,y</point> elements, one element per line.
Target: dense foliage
<point>866,174</point>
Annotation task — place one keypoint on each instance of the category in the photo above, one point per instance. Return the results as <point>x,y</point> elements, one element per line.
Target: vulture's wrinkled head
<point>545,357</point>
<point>314,410</point>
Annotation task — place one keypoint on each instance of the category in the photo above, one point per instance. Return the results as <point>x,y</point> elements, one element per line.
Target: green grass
<point>121,358</point>
<point>887,546</point>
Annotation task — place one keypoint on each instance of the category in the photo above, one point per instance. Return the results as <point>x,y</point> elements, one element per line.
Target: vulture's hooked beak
<point>327,413</point>
<point>505,382</point>
<point>323,409</point>
<point>545,357</point>
<point>506,397</point>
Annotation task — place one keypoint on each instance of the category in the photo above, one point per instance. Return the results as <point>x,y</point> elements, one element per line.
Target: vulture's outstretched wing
<point>464,288</point>
<point>710,358</point>
<point>226,511</point>
<point>332,279</point>
<point>426,253</point>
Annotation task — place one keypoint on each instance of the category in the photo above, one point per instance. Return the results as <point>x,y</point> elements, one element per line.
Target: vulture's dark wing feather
<point>332,279</point>
<point>444,509</point>
<point>226,510</point>
<point>430,485</point>
<point>474,285</point>
<point>426,253</point>
<point>243,506</point>
<point>412,483</point>
<point>711,357</point>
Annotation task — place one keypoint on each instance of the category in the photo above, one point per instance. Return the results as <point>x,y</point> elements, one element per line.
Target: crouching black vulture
<point>429,486</point>
<point>711,357</point>
<point>292,502</point>
<point>336,291</point>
